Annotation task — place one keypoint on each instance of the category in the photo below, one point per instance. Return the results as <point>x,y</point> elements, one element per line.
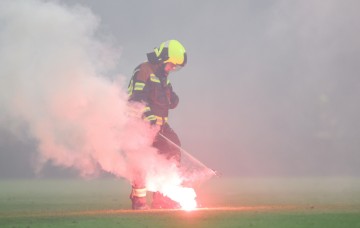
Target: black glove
<point>174,100</point>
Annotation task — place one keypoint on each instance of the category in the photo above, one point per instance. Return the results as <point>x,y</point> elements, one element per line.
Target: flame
<point>167,179</point>
<point>186,197</point>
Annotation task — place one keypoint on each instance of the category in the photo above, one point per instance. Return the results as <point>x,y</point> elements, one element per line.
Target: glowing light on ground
<point>169,182</point>
<point>186,197</point>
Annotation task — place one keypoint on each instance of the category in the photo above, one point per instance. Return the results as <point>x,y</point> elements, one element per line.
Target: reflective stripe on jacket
<point>150,85</point>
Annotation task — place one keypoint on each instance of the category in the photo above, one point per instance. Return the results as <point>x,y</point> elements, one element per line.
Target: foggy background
<point>270,89</point>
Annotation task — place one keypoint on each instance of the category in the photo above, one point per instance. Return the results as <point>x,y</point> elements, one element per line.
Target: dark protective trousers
<point>173,154</point>
<point>164,146</point>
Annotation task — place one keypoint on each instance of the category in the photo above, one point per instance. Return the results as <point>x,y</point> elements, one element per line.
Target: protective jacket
<point>150,85</point>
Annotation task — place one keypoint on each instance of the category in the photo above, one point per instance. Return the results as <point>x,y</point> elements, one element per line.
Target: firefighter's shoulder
<point>143,71</point>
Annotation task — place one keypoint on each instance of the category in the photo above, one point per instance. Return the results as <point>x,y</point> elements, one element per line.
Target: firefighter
<point>150,85</point>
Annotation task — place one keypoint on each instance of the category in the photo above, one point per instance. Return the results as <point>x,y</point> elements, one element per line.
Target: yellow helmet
<point>170,51</point>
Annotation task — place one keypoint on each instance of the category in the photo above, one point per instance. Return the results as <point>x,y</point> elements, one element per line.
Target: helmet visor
<point>179,66</point>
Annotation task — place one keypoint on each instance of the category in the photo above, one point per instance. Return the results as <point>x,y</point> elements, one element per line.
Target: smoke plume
<point>54,84</point>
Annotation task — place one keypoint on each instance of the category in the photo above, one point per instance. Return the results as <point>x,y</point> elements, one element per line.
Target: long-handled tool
<point>213,172</point>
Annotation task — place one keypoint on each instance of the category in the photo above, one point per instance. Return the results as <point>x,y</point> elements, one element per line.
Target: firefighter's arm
<point>174,99</point>
<point>141,93</point>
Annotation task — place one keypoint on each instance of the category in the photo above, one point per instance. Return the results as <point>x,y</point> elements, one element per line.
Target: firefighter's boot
<point>163,202</point>
<point>138,199</point>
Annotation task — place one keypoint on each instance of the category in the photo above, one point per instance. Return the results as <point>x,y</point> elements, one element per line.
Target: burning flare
<point>186,197</point>
<point>170,184</point>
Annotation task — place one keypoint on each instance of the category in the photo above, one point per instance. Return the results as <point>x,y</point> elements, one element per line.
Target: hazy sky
<point>270,88</point>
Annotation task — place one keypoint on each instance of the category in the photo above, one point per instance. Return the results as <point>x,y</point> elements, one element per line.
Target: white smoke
<point>53,78</point>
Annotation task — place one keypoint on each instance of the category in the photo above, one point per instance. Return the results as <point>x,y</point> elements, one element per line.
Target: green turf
<point>183,219</point>
<point>280,202</point>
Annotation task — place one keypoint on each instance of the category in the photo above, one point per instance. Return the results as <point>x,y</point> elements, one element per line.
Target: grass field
<point>227,202</point>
